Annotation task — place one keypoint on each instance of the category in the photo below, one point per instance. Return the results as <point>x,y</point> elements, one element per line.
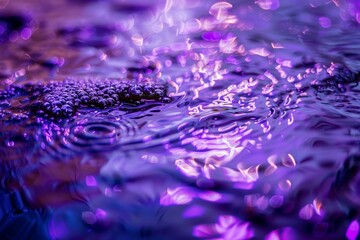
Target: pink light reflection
<point>210,196</point>
<point>187,169</point>
<point>228,227</point>
<point>178,196</point>
<point>220,10</point>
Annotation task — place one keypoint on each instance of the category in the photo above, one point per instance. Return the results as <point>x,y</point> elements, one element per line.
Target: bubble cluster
<point>9,92</point>
<point>64,99</point>
<point>27,92</point>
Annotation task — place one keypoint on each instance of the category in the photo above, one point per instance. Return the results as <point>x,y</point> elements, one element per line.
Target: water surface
<point>179,119</point>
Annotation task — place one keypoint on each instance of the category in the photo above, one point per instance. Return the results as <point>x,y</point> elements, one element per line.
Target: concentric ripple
<point>94,134</point>
<point>89,134</point>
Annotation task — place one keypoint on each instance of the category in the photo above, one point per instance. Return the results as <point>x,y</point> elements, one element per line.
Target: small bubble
<point>306,212</point>
<point>268,4</point>
<point>26,33</point>
<point>276,201</point>
<point>325,22</point>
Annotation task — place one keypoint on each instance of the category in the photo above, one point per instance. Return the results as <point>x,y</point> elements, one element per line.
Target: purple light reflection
<point>194,211</point>
<point>353,230</point>
<point>282,234</point>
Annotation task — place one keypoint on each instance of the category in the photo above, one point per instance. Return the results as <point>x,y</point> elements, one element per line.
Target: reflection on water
<point>179,119</point>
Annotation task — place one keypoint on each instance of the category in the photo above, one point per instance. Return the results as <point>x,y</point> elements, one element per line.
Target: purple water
<point>179,119</point>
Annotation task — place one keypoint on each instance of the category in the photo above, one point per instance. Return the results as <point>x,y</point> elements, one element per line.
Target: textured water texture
<point>179,120</point>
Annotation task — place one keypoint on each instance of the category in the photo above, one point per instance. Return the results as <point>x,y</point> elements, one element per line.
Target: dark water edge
<point>179,119</point>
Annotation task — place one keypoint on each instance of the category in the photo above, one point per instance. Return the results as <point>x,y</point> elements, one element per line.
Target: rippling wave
<point>89,134</point>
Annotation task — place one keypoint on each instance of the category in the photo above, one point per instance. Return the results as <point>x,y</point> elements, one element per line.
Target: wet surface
<point>179,119</point>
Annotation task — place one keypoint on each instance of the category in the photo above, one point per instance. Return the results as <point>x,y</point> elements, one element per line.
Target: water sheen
<point>179,119</point>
